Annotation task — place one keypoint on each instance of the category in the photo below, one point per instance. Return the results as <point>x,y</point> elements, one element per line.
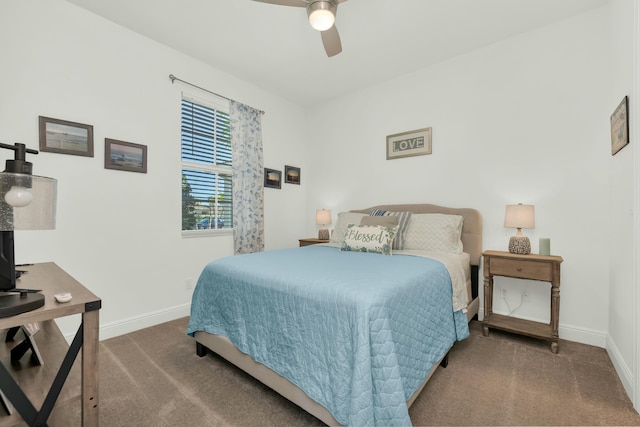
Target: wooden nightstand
<point>311,241</point>
<point>534,267</point>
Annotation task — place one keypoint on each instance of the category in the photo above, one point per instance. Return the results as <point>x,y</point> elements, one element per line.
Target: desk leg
<point>16,396</point>
<point>90,376</point>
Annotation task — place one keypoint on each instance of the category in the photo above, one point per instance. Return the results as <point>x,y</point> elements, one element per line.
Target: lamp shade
<point>519,216</point>
<point>323,217</point>
<point>27,202</point>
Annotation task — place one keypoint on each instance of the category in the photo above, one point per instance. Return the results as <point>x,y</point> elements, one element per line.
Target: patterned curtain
<point>248,178</point>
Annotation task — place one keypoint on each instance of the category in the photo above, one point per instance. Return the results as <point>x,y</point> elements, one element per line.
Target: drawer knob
<point>519,269</point>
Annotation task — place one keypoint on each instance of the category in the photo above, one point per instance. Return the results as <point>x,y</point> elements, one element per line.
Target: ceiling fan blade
<point>331,41</point>
<point>295,3</point>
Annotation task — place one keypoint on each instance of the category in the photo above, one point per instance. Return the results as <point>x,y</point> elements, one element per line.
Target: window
<point>207,200</point>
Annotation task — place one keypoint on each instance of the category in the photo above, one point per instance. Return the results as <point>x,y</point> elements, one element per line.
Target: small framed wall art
<point>61,136</point>
<point>620,126</point>
<point>408,144</point>
<point>292,175</point>
<point>272,178</point>
<point>125,156</point>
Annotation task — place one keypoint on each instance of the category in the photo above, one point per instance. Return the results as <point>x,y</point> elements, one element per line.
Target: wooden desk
<point>24,388</point>
<point>534,267</point>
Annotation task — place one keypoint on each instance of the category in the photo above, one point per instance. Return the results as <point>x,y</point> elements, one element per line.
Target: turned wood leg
<point>555,315</point>
<point>488,301</point>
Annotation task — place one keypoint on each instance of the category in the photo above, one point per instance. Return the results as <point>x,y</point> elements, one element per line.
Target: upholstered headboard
<point>471,227</point>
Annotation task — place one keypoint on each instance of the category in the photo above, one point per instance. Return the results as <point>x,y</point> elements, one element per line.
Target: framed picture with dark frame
<point>292,175</point>
<point>125,156</point>
<point>64,137</point>
<point>620,126</point>
<point>272,178</point>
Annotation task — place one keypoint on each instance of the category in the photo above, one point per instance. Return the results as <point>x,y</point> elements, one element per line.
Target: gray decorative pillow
<point>385,221</point>
<point>344,219</point>
<point>403,221</point>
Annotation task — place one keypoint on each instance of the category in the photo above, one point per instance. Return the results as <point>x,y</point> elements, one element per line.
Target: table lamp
<point>323,218</point>
<point>27,202</point>
<point>519,216</point>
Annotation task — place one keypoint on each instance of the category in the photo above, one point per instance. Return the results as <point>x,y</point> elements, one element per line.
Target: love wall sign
<point>408,144</point>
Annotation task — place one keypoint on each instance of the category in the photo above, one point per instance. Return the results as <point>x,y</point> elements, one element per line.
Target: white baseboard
<point>621,367</point>
<point>583,336</point>
<point>121,327</point>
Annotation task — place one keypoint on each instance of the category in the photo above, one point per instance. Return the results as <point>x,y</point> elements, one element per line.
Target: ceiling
<point>274,47</point>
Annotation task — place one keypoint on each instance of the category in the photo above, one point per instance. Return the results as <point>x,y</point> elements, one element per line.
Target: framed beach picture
<point>292,175</point>
<point>620,126</point>
<point>125,156</point>
<point>64,137</point>
<point>272,178</point>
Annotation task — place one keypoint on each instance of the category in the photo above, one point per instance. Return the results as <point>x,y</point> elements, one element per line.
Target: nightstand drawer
<point>521,269</point>
<point>311,241</point>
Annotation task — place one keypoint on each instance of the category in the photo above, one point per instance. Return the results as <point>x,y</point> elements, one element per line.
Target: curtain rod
<point>174,78</point>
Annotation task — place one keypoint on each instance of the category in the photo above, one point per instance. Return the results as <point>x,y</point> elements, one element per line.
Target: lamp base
<point>519,245</point>
<point>12,304</point>
<point>323,234</point>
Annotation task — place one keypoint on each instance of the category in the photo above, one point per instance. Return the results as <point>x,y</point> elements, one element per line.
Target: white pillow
<point>434,232</point>
<point>369,238</point>
<point>344,219</point>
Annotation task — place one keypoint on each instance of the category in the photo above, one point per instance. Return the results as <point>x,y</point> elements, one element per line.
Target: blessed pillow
<point>385,221</point>
<point>403,220</point>
<point>434,232</point>
<point>369,238</point>
<point>344,219</point>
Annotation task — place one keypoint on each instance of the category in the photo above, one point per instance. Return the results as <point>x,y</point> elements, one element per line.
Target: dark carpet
<point>152,377</point>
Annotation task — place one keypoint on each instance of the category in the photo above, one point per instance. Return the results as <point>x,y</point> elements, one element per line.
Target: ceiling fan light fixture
<point>322,15</point>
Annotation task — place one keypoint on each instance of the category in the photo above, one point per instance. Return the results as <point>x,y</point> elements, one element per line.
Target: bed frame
<point>472,244</point>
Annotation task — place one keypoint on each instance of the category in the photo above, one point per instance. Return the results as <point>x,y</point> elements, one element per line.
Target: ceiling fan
<point>322,17</point>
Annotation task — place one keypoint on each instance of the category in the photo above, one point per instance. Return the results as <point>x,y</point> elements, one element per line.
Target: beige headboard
<point>471,227</point>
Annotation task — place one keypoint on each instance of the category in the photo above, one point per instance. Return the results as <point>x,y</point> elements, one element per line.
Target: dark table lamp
<point>27,202</point>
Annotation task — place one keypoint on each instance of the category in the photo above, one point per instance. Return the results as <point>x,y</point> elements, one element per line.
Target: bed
<point>350,336</point>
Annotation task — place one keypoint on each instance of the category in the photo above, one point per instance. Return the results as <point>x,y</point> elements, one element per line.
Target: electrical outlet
<point>188,283</point>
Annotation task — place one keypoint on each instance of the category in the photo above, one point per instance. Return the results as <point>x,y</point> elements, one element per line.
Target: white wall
<point>622,340</point>
<point>118,233</point>
<point>523,120</point>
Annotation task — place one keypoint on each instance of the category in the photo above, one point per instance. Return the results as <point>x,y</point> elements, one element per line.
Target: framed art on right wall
<point>620,126</point>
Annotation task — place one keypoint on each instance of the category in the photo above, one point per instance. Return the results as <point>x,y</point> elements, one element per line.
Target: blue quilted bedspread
<point>357,332</point>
